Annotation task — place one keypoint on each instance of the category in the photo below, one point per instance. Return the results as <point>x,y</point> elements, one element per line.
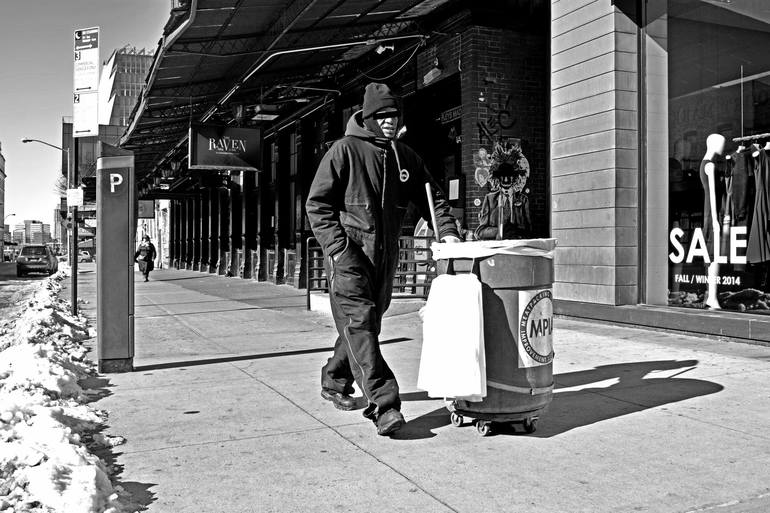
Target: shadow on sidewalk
<point>175,279</point>
<point>225,310</point>
<point>579,402</point>
<point>140,496</point>
<point>202,312</point>
<point>247,357</point>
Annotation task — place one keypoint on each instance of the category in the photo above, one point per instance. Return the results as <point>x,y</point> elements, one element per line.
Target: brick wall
<point>509,70</point>
<point>447,53</point>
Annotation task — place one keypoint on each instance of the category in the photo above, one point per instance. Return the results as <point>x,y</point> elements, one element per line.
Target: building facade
<point>120,84</point>
<point>18,234</point>
<point>637,89</point>
<point>32,232</point>
<point>612,103</point>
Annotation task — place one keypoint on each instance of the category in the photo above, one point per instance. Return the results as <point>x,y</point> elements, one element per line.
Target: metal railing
<point>416,268</point>
<point>315,274</point>
<point>414,274</point>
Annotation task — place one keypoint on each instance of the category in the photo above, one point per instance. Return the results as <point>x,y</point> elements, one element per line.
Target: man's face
<point>388,121</point>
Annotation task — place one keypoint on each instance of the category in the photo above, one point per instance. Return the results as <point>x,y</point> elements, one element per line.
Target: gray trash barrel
<point>517,286</point>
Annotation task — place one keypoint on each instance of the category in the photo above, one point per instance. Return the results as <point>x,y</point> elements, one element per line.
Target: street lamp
<point>74,230</point>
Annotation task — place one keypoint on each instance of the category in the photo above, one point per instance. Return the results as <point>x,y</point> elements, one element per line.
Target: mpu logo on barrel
<point>535,339</point>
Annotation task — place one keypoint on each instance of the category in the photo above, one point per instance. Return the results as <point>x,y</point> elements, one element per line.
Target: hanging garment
<point>759,239</point>
<point>742,187</point>
<point>453,361</point>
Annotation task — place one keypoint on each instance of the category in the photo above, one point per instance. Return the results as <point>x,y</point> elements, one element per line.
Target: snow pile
<point>46,426</point>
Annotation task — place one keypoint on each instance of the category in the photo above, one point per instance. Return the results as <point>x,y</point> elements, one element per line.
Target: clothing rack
<point>752,137</point>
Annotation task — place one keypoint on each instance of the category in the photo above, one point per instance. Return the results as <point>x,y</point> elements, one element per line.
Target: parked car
<point>36,258</point>
<point>84,256</point>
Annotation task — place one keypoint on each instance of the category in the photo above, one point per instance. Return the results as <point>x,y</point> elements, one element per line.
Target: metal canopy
<point>219,53</point>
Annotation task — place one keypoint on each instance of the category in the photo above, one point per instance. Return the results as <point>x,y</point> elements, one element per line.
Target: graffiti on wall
<point>498,121</point>
<point>481,162</point>
<point>505,211</point>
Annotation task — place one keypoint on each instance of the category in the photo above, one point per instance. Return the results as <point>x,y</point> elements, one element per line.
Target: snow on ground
<point>47,429</point>
<point>11,294</point>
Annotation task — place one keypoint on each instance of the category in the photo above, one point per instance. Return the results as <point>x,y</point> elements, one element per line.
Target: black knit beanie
<point>378,97</point>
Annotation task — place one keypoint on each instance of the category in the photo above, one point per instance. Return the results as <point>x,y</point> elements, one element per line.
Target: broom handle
<point>429,192</point>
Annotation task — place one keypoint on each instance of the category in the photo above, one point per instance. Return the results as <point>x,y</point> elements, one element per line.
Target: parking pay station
<point>115,233</point>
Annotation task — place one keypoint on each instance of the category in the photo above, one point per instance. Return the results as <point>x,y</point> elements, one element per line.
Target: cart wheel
<point>484,427</point>
<point>530,425</point>
<point>456,419</point>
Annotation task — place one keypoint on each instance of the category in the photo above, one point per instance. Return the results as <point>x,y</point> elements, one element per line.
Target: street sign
<point>75,197</point>
<point>85,114</point>
<point>85,104</point>
<point>86,60</point>
<point>450,115</point>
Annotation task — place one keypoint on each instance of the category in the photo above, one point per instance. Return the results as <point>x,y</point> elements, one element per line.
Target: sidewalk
<point>223,414</point>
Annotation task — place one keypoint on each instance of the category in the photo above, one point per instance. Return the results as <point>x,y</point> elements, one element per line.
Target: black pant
<point>359,298</point>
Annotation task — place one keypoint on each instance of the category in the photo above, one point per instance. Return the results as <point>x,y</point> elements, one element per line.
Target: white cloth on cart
<point>486,248</point>
<point>453,361</point>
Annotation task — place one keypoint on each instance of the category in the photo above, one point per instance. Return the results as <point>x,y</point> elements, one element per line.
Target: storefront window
<point>719,153</point>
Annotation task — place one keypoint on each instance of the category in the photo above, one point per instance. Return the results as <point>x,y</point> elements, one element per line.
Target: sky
<point>36,38</point>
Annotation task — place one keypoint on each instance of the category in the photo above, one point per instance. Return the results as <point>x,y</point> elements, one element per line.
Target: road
<point>13,289</point>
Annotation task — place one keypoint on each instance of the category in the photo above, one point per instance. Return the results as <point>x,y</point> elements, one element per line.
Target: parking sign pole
<point>85,121</point>
<point>72,179</point>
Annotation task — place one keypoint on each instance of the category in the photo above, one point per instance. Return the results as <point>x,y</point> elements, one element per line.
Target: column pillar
<point>213,221</point>
<point>264,236</point>
<point>224,229</point>
<point>204,223</point>
<point>248,221</point>
<point>171,233</point>
<point>182,233</point>
<point>189,233</point>
<point>279,242</point>
<point>196,220</point>
<point>597,259</point>
<point>235,228</point>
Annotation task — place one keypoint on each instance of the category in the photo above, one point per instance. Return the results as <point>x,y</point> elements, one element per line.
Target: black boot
<point>340,401</point>
<point>389,422</point>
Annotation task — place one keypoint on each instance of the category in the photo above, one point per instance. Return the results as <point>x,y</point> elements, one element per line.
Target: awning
<point>217,56</point>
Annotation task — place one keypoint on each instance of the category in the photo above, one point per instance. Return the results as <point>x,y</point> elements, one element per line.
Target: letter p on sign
<point>115,180</point>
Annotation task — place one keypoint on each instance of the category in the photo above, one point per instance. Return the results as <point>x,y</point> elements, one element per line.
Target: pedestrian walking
<point>356,207</point>
<point>145,256</point>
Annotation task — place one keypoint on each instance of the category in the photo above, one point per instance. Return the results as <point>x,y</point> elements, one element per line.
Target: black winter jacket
<point>360,195</point>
